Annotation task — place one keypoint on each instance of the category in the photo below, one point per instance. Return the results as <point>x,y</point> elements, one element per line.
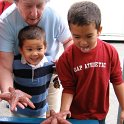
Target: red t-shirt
<point>87,76</point>
<point>4,5</point>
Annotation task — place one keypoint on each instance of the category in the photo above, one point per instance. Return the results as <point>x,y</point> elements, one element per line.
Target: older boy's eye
<point>76,37</point>
<point>89,36</point>
<point>39,49</point>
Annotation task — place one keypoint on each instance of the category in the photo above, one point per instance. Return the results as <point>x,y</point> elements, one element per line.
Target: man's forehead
<point>32,1</point>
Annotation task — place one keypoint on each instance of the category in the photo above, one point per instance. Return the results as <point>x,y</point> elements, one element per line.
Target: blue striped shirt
<point>37,88</point>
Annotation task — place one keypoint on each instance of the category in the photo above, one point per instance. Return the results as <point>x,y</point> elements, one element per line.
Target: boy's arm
<point>119,91</point>
<point>66,101</point>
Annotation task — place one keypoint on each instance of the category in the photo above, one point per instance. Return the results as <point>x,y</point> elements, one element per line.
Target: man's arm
<point>6,76</point>
<point>14,97</point>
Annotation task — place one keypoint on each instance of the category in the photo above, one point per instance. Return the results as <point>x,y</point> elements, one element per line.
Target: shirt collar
<point>40,64</point>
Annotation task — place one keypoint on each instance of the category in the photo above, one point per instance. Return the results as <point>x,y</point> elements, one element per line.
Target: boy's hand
<point>57,118</point>
<point>122,117</point>
<point>17,98</point>
<point>56,82</point>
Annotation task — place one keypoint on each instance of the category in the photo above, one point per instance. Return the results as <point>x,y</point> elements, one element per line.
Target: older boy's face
<point>85,37</point>
<point>31,10</point>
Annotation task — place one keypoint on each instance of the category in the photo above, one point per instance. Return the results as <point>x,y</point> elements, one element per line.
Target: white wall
<point>112,14</point>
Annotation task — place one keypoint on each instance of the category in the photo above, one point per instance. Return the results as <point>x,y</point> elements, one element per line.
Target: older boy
<point>88,66</point>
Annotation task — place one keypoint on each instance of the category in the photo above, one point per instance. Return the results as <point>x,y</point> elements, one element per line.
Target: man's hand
<point>17,98</point>
<point>57,118</point>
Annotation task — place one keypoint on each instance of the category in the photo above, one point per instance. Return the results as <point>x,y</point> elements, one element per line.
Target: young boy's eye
<point>29,49</point>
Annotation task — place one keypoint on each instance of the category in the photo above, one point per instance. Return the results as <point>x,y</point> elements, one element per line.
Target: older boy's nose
<point>83,43</point>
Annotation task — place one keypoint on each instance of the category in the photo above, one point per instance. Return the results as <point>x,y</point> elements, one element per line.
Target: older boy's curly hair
<point>84,13</point>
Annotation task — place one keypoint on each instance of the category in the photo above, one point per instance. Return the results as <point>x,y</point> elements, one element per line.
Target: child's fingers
<point>62,121</point>
<point>21,105</point>
<point>11,90</point>
<point>27,95</point>
<point>52,112</point>
<point>13,103</point>
<point>25,104</point>
<point>5,96</point>
<point>66,113</point>
<point>27,101</point>
<point>20,98</point>
<point>21,102</point>
<point>47,121</point>
<point>54,121</point>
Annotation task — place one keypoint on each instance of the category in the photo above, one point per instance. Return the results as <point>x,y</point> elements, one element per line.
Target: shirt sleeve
<point>6,36</point>
<point>116,70</point>
<point>62,30</point>
<point>66,75</point>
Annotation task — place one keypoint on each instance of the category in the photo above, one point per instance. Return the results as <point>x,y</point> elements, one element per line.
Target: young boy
<point>32,71</point>
<point>88,66</point>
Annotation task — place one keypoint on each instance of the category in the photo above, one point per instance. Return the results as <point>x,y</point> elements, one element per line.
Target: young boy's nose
<point>35,53</point>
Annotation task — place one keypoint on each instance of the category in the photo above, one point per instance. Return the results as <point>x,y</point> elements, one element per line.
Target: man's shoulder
<point>9,12</point>
<point>49,10</point>
<point>50,13</point>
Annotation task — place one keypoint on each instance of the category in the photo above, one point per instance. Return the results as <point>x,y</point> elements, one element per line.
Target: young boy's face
<point>85,37</point>
<point>33,51</point>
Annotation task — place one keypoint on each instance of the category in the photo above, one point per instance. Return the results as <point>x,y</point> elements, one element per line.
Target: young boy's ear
<point>45,49</point>
<point>20,50</point>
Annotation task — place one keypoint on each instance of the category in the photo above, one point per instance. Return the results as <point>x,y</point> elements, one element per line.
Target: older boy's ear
<point>99,30</point>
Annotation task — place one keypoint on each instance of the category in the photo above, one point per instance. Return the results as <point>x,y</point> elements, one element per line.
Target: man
<point>19,15</point>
